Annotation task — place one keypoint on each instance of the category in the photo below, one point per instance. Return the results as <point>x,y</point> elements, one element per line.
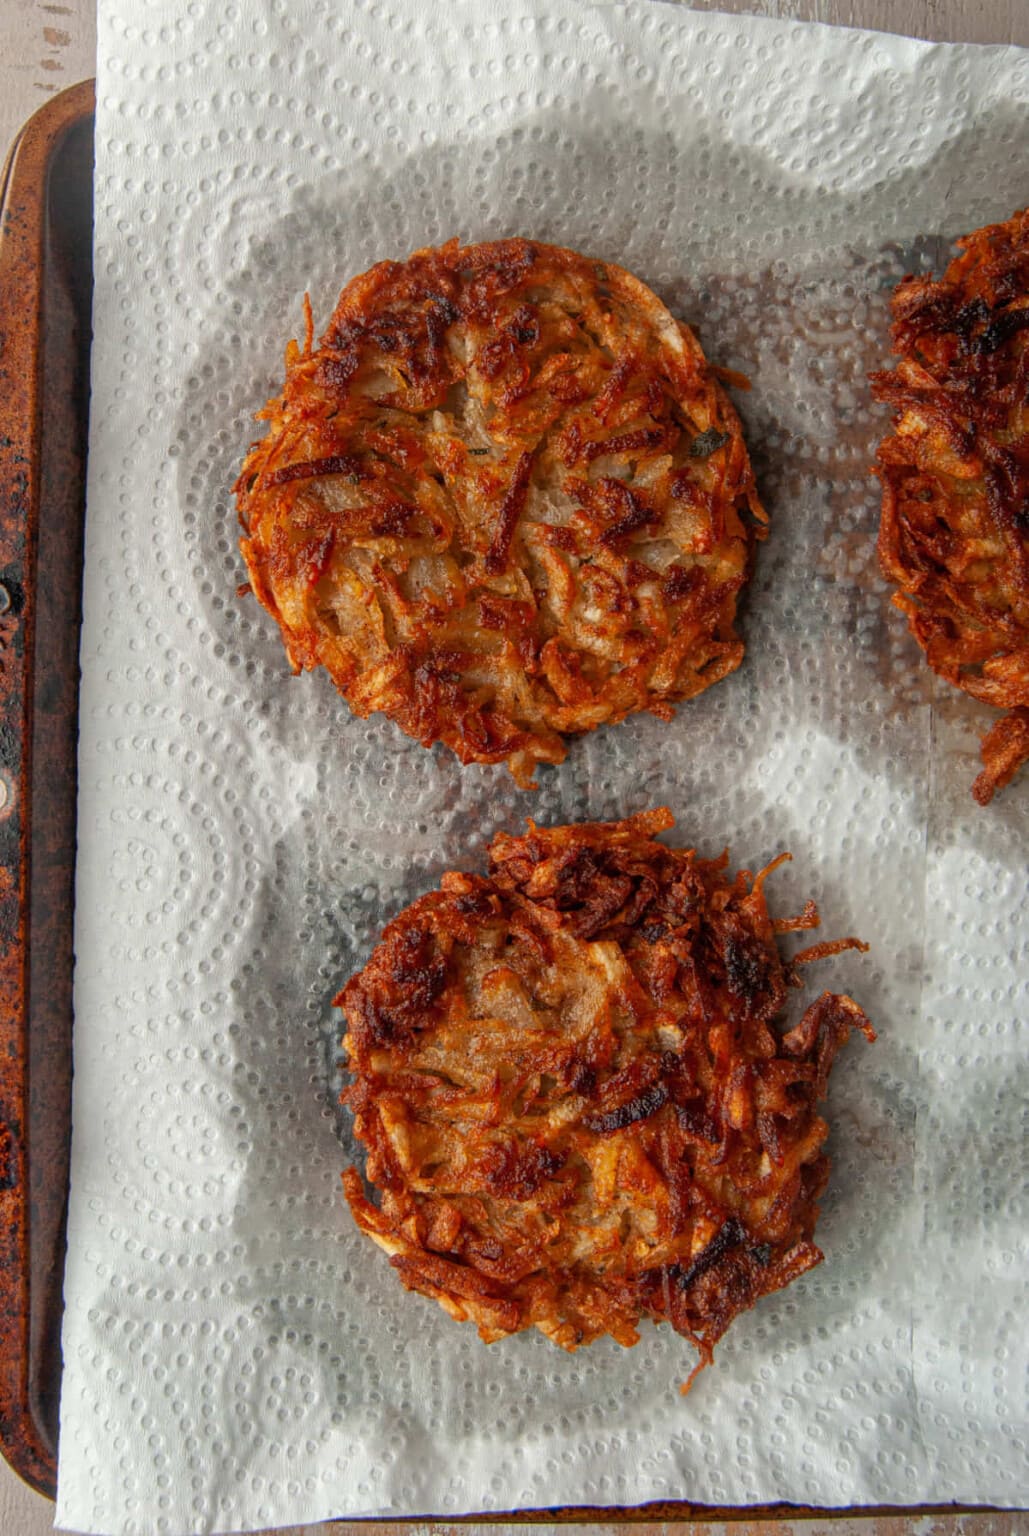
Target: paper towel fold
<point>235,1353</point>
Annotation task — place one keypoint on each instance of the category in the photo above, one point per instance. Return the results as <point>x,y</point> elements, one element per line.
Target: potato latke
<point>504,500</point>
<point>577,1106</point>
<point>954,533</point>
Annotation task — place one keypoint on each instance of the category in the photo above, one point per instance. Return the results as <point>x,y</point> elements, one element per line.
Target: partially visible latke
<point>579,1106</point>
<point>504,500</point>
<point>954,533</point>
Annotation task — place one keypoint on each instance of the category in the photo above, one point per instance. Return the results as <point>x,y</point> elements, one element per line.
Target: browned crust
<point>503,501</point>
<point>578,1105</point>
<point>954,533</point>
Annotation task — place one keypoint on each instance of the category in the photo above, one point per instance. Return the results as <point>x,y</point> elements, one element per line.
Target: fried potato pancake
<point>504,500</point>
<point>954,533</point>
<point>578,1107</point>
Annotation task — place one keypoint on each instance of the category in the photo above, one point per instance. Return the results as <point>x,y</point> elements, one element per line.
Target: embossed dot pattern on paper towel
<point>235,1353</point>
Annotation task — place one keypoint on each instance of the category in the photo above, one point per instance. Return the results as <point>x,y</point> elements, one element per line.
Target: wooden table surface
<point>46,45</point>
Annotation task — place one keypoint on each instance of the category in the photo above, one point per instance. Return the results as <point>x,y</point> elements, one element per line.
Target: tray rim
<point>25,170</point>
<point>24,187</point>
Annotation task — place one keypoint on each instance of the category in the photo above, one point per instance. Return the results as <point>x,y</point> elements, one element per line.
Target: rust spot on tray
<point>8,1159</point>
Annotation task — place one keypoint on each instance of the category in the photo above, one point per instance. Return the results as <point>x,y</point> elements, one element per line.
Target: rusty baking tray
<point>45,294</point>
<point>45,298</point>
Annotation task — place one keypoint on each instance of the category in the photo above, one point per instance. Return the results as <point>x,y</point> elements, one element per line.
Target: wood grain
<point>950,21</point>
<point>47,46</point>
<point>44,46</point>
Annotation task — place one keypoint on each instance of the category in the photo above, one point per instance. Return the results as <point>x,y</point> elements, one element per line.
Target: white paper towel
<point>235,1353</point>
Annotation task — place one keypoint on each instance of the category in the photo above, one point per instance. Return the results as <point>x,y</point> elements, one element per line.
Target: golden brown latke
<point>504,500</point>
<point>578,1108</point>
<point>954,533</point>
